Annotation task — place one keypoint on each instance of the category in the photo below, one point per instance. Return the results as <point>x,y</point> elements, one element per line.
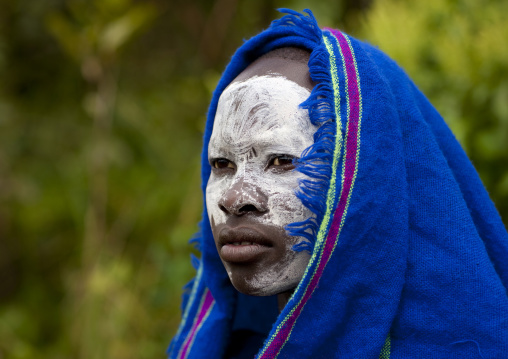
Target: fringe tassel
<point>195,261</point>
<point>316,161</point>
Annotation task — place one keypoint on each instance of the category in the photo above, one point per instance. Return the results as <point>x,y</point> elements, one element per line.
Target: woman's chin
<point>261,291</point>
<point>269,281</point>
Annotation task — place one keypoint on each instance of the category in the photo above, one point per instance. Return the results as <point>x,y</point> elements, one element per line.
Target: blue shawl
<point>409,255</point>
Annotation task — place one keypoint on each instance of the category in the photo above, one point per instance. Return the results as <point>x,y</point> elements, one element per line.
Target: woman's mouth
<point>242,244</point>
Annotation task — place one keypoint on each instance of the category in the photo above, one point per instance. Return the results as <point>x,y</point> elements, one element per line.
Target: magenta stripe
<point>352,130</point>
<point>349,173</point>
<point>202,313</point>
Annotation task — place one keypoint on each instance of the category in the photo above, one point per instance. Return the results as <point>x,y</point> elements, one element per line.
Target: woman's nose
<point>243,198</point>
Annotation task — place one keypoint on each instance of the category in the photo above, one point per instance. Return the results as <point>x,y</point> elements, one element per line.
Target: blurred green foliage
<point>102,106</point>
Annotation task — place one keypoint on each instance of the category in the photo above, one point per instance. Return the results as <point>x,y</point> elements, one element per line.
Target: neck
<point>283,298</point>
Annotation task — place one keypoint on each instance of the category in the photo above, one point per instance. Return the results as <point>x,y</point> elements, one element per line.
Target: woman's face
<point>258,130</point>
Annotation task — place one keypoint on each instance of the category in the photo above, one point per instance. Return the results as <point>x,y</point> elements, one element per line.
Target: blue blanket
<point>409,255</point>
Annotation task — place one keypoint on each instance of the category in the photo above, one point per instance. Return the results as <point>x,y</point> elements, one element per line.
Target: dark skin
<point>241,224</point>
<point>295,71</point>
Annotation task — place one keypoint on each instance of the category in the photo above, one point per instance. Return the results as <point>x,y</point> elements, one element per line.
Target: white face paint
<point>250,197</point>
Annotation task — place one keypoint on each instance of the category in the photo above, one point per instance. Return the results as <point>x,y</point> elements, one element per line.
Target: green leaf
<point>121,30</point>
<point>66,35</point>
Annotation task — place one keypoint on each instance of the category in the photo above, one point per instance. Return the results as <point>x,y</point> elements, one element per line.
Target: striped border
<point>187,310</point>
<point>205,308</point>
<point>325,247</point>
<point>386,350</point>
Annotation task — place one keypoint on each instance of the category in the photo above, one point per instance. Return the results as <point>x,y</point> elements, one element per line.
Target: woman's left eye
<point>282,161</point>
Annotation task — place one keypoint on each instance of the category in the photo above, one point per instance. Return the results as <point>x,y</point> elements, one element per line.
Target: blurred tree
<point>92,33</point>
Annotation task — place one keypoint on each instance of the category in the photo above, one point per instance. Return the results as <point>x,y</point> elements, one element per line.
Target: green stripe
<point>385,352</point>
<point>200,324</point>
<point>189,303</point>
<point>338,143</point>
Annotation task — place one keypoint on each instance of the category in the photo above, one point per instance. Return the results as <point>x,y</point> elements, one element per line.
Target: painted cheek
<point>215,190</point>
<point>286,208</point>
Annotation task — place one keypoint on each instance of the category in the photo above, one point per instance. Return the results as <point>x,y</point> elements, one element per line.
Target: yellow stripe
<point>189,303</point>
<point>360,114</point>
<point>385,352</point>
<point>199,327</point>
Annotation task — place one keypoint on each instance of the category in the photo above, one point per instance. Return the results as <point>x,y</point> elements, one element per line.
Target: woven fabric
<point>409,256</point>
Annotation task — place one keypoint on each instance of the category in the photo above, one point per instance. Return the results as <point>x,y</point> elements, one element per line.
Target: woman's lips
<point>242,253</point>
<point>242,244</point>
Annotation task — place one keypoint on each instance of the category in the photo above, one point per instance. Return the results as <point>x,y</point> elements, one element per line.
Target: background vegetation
<point>102,106</point>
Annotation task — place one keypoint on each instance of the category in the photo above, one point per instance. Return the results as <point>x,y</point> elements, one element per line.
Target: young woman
<point>335,188</point>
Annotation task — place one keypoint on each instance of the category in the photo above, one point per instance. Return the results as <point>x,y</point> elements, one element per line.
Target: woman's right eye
<point>221,163</point>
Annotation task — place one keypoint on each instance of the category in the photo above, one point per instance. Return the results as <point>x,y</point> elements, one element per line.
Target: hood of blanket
<point>409,255</point>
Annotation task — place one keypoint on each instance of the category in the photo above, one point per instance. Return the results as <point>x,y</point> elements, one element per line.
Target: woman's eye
<point>222,163</point>
<point>285,161</point>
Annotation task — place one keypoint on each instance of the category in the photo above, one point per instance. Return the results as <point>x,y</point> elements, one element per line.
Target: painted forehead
<point>261,107</point>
